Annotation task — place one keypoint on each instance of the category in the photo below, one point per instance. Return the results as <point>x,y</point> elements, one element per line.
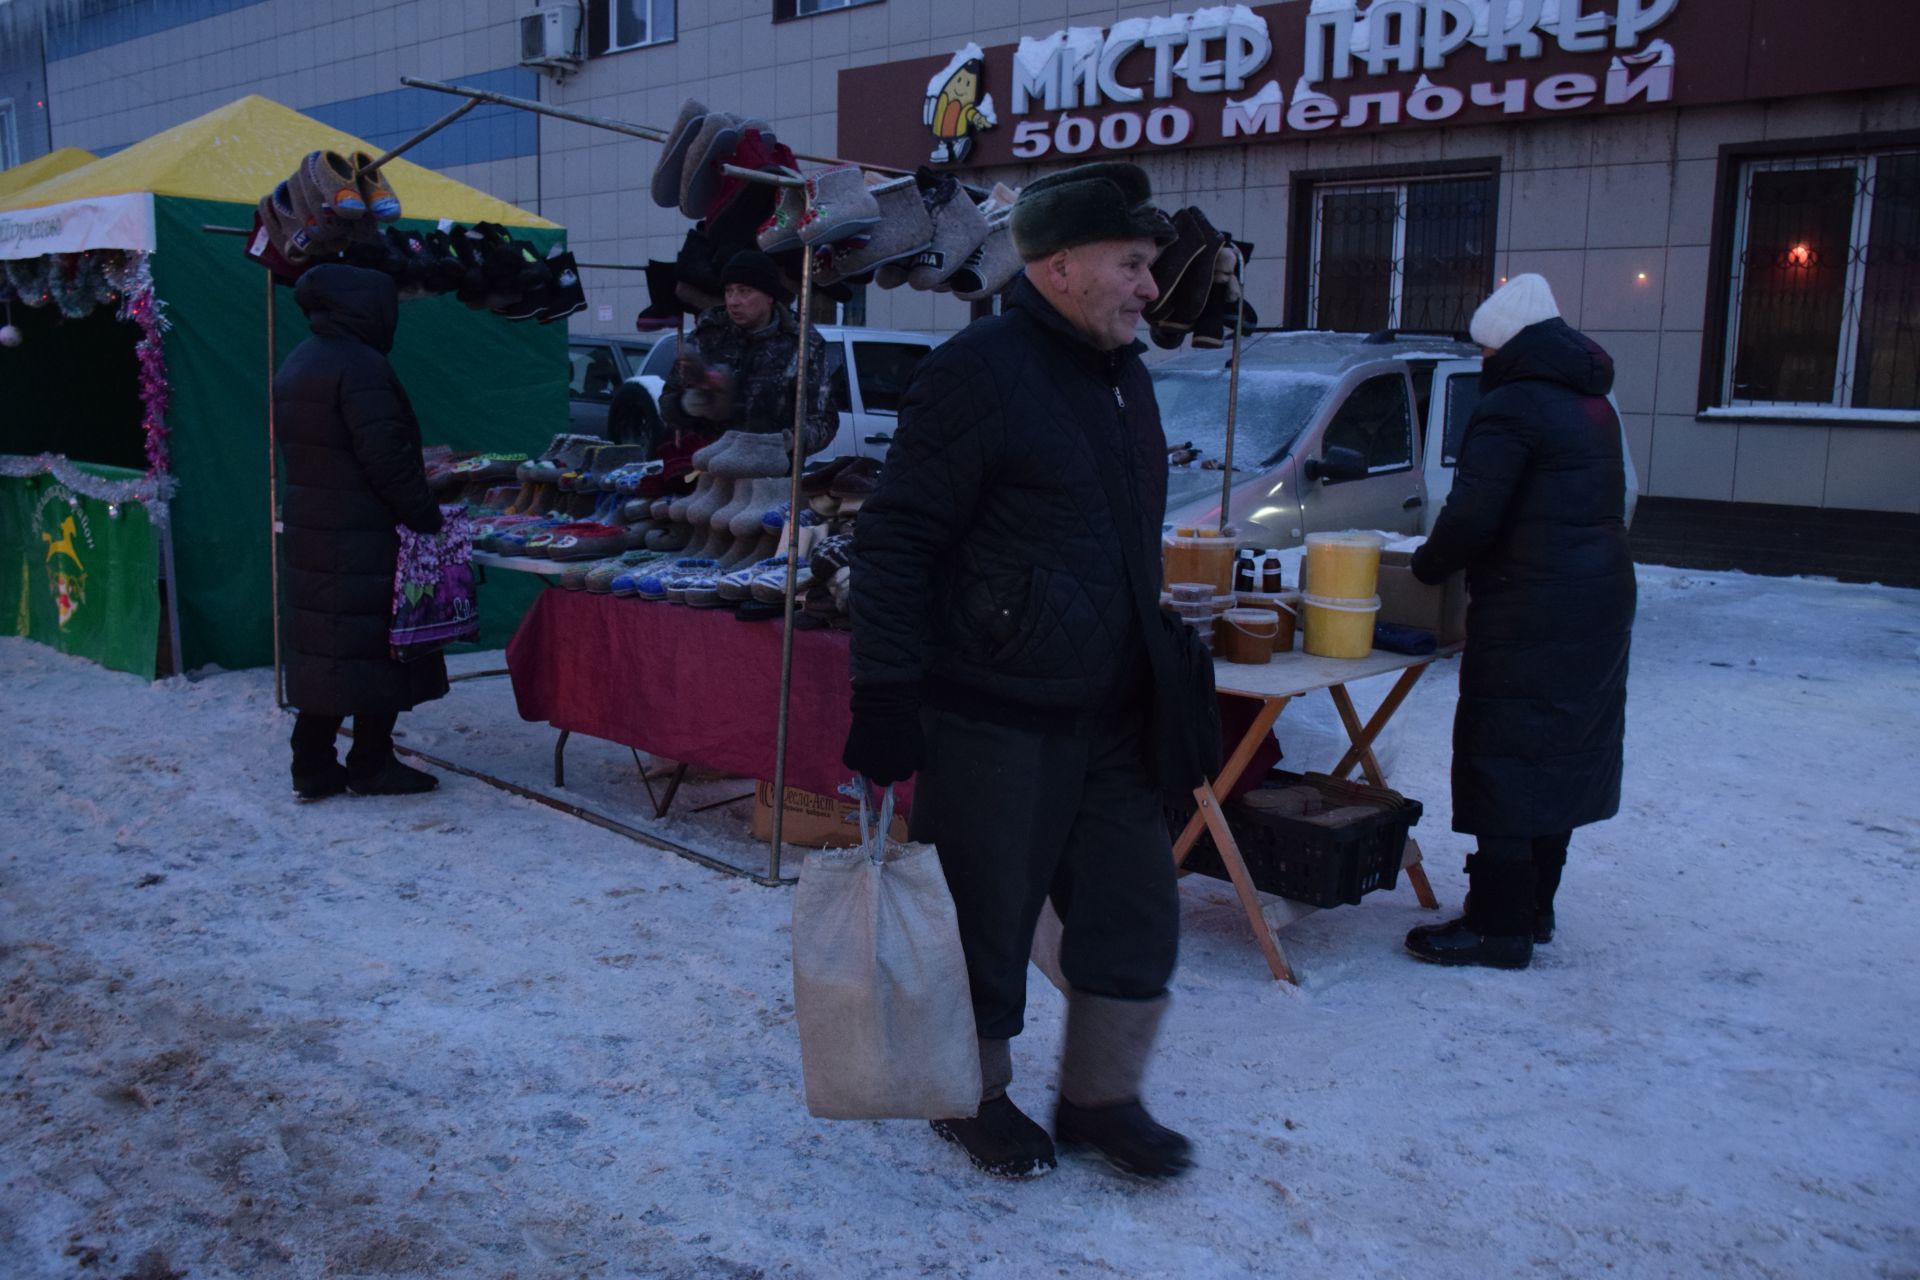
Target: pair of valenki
<point>1199,278</point>
<point>329,202</point>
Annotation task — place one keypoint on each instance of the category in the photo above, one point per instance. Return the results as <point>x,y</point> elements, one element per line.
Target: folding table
<point>1289,676</point>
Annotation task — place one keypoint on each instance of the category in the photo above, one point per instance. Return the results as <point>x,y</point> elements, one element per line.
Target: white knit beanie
<point>1522,301</point>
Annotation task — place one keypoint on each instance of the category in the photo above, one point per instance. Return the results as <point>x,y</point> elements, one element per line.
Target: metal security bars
<point>1823,302</point>
<point>1400,255</point>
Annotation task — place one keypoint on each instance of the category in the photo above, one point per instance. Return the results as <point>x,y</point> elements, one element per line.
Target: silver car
<point>1334,431</point>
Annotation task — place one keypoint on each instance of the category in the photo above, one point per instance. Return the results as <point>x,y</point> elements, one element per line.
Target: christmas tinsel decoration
<point>150,490</point>
<point>140,304</point>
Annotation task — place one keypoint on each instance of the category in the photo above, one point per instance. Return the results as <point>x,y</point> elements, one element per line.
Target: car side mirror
<point>1338,464</point>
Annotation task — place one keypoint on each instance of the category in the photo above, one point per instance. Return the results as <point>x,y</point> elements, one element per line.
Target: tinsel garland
<point>152,491</point>
<point>78,283</point>
<point>140,304</point>
<point>28,276</point>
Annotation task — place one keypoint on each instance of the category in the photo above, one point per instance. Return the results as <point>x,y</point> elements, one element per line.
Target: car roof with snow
<point>1324,351</point>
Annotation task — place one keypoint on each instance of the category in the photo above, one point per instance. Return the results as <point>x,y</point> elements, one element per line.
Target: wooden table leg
<point>1361,752</point>
<point>1417,875</point>
<point>1230,772</point>
<point>1242,882</point>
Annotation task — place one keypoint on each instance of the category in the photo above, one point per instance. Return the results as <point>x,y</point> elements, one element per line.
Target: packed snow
<point>468,1035</point>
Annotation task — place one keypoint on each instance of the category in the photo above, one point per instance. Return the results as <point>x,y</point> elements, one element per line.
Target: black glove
<point>885,744</point>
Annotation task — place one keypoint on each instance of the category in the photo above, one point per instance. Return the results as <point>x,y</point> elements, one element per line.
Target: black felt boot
<point>1108,1041</point>
<point>999,1139</point>
<point>1549,860</point>
<point>1497,930</point>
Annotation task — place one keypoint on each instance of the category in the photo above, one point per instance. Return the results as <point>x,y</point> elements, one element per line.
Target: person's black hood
<point>1551,351</point>
<point>350,302</point>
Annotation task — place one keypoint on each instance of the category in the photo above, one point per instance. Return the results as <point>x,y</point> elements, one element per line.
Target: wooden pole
<point>793,559</point>
<point>1233,406</point>
<point>425,133</point>
<point>592,121</point>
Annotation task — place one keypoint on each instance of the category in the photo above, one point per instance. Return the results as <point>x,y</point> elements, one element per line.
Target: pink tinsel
<point>144,308</point>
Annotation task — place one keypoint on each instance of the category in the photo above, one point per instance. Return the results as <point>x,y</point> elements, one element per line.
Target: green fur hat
<point>1111,200</point>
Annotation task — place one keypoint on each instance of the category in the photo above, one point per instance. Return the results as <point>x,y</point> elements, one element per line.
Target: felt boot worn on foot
<point>1108,1043</point>
<point>1000,1140</point>
<point>393,779</point>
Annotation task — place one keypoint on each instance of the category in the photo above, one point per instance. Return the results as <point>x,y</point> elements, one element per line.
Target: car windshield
<point>1275,406</point>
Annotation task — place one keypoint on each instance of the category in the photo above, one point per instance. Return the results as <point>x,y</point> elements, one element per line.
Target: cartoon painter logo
<point>956,110</point>
<point>63,528</point>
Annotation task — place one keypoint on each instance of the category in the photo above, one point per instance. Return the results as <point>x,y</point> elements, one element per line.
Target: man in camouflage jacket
<point>738,371</point>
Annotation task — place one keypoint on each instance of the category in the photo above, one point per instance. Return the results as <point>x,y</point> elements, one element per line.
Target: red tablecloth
<point>701,686</point>
<point>689,684</point>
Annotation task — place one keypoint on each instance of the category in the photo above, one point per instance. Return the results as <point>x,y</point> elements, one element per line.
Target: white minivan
<point>1334,431</point>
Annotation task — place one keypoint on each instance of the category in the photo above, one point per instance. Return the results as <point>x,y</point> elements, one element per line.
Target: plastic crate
<point>1318,865</point>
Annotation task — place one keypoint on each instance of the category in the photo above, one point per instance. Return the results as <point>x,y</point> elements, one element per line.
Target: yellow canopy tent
<point>476,381</point>
<point>39,169</point>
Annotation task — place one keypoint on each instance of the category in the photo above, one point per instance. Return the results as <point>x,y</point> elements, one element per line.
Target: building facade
<point>1724,193</point>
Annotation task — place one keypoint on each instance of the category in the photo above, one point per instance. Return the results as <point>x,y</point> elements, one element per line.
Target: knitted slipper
<point>701,593</point>
<point>738,584</point>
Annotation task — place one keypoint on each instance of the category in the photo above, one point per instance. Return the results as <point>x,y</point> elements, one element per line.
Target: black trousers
<point>1520,875</point>
<point>313,738</point>
<point>1021,816</point>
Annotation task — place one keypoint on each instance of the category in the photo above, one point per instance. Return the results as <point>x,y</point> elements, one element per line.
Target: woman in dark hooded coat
<point>1536,517</point>
<point>353,472</point>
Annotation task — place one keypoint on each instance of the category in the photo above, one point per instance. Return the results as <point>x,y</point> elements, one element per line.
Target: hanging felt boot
<point>1496,930</point>
<point>999,1139</point>
<point>1108,1041</point>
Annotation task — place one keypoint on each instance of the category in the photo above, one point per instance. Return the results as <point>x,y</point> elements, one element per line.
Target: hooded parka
<point>353,472</point>
<point>1536,518</point>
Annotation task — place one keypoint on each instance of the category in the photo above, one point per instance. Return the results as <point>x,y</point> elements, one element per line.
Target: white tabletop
<point>1291,674</point>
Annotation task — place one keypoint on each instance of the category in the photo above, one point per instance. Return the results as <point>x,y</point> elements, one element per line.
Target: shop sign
<point>1235,73</point>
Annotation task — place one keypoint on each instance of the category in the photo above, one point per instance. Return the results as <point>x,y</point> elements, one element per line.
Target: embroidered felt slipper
<point>376,192</point>
<point>770,587</point>
<point>839,205</point>
<point>600,577</point>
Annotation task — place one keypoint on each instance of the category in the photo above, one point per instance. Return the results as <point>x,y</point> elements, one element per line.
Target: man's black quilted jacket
<point>988,566</point>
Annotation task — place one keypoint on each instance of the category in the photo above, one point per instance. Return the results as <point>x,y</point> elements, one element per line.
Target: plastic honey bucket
<point>1285,607</point>
<point>1339,627</point>
<point>1199,555</point>
<point>1245,635</point>
<point>1343,566</point>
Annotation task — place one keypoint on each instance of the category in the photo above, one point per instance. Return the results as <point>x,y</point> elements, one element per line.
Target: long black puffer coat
<point>1535,517</point>
<point>353,472</point>
<point>989,564</point>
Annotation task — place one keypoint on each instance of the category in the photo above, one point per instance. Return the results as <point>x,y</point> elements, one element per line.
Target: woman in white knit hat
<point>1536,518</point>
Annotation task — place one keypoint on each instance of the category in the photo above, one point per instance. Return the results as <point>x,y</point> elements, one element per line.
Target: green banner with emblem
<point>80,575</point>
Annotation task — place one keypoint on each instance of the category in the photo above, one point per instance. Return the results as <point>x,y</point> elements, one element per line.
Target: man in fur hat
<point>737,371</point>
<point>1007,647</point>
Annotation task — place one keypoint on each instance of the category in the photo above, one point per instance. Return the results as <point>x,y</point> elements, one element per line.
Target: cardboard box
<point>1405,600</point>
<point>812,821</point>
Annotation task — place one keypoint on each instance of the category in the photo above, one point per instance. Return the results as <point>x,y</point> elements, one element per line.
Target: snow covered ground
<point>466,1035</point>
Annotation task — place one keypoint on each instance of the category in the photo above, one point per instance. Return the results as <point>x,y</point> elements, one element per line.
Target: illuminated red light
<point>1800,255</point>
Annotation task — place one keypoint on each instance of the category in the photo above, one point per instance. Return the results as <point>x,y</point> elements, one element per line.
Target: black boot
<point>1549,860</point>
<point>331,780</point>
<point>1496,932</point>
<point>392,779</point>
<point>317,772</point>
<point>1000,1140</point>
<point>1131,1140</point>
<point>1108,1041</point>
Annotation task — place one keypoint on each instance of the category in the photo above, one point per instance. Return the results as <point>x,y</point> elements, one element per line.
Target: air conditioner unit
<point>550,36</point>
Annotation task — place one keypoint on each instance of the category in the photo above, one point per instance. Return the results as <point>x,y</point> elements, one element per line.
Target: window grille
<point>1401,255</point>
<point>1823,300</point>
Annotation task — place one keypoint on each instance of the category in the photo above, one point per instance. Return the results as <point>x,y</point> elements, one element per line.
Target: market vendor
<point>1536,519</point>
<point>738,369</point>
<point>1007,647</point>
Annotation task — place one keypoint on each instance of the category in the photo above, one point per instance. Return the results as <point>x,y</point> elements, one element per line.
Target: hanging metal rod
<point>596,122</point>
<point>425,133</point>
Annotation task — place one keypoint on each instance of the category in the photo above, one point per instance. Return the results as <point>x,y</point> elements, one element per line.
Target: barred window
<point>1401,255</point>
<point>1824,297</point>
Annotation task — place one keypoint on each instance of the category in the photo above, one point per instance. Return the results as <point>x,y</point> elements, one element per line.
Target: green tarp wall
<point>78,574</point>
<point>476,381</point>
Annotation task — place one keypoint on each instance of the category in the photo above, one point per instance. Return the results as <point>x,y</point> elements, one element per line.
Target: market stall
<point>142,345</point>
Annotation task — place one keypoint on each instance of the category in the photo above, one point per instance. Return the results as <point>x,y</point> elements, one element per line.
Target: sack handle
<point>866,788</point>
